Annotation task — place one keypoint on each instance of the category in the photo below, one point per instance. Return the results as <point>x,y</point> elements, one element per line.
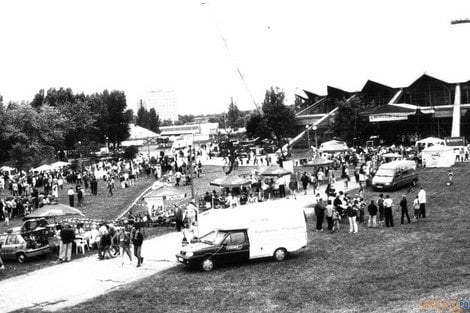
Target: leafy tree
<point>154,121</point>
<point>167,123</point>
<point>234,116</point>
<point>130,152</point>
<point>349,125</point>
<point>256,127</point>
<point>118,123</point>
<point>38,100</point>
<point>32,135</point>
<point>279,120</point>
<point>184,119</point>
<point>80,122</point>
<point>61,96</point>
<point>148,119</point>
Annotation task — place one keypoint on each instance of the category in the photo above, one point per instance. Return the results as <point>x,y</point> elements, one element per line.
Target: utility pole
<point>191,170</point>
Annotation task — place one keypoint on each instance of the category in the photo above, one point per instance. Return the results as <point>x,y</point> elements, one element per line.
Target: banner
<point>455,141</point>
<point>388,117</point>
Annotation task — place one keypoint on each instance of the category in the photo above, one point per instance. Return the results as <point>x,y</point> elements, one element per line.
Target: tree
<point>38,100</point>
<point>279,120</point>
<point>154,121</point>
<point>167,123</point>
<point>31,135</point>
<point>184,119</point>
<point>118,123</point>
<point>349,125</point>
<point>234,117</point>
<point>130,152</point>
<point>148,119</point>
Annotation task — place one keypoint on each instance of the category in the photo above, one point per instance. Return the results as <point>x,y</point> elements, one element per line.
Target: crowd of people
<point>336,207</point>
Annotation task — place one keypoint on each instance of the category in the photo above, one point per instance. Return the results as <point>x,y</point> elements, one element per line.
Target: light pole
<point>308,134</point>
<point>316,139</point>
<point>107,146</point>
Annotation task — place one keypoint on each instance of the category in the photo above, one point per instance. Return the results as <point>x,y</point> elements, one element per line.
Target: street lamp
<point>316,139</point>
<point>308,134</point>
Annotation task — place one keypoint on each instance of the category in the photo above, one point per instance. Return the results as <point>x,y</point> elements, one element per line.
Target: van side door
<point>236,247</point>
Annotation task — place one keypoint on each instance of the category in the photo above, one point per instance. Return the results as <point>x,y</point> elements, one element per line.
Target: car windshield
<point>214,237</point>
<point>385,172</point>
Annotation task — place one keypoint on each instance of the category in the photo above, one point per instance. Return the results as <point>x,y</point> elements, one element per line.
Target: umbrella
<point>274,170</point>
<point>59,164</point>
<point>319,161</point>
<point>43,168</point>
<point>333,146</point>
<point>230,181</point>
<point>54,210</point>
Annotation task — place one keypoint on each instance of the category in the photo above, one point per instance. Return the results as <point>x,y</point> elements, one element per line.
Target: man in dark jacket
<point>137,240</point>
<point>372,209</point>
<point>67,236</point>
<point>179,216</point>
<point>320,214</point>
<point>404,209</point>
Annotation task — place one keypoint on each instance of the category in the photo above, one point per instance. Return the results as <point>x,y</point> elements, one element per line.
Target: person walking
<point>319,213</point>
<point>388,205</point>
<point>179,217</point>
<point>110,187</point>
<point>404,209</point>
<point>137,241</point>
<point>305,180</point>
<point>71,195</point>
<point>422,202</point>
<point>125,244</point>
<point>372,209</point>
<point>67,236</point>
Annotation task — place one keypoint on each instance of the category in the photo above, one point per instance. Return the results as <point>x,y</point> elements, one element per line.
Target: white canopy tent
<point>438,156</point>
<point>430,141</point>
<point>333,146</point>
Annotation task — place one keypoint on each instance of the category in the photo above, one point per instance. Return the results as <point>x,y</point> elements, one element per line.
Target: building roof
<point>139,132</point>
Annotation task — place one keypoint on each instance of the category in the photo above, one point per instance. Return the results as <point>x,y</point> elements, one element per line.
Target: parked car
<point>20,246</point>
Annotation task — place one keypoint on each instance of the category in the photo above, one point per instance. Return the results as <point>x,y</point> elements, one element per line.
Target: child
<point>451,178</point>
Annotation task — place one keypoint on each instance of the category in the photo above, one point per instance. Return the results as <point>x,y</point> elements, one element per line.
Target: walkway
<point>67,284</point>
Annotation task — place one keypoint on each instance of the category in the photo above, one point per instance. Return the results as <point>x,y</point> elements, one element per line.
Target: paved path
<point>57,287</point>
<point>67,284</point>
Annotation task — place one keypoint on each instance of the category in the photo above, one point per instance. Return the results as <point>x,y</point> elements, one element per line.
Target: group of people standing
<point>380,211</point>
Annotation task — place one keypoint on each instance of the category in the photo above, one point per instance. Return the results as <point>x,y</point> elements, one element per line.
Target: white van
<point>395,175</point>
<point>266,229</point>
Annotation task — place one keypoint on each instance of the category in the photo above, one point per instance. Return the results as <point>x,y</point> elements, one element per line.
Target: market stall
<point>438,156</point>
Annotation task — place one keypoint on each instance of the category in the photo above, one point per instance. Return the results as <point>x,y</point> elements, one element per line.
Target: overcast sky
<point>90,45</point>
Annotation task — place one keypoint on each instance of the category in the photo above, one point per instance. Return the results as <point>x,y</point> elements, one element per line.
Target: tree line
<point>59,120</point>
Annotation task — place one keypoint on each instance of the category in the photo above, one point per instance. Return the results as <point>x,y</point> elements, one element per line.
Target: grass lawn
<point>408,268</point>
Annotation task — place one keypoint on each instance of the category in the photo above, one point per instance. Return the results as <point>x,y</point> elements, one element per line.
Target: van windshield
<point>385,172</point>
<point>214,237</point>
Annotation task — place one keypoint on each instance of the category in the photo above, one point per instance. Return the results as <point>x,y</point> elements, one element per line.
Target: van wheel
<point>395,187</point>
<point>280,254</point>
<point>207,265</point>
<point>21,257</point>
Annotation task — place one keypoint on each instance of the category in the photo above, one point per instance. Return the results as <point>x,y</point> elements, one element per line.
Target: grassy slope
<point>378,270</point>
